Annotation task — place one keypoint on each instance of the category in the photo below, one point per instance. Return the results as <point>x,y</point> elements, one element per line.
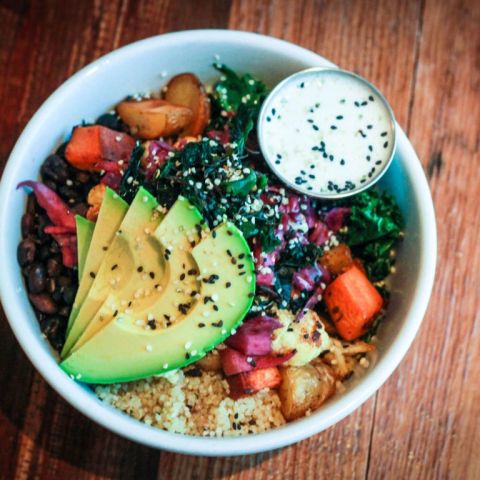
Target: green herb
<point>132,178</point>
<point>233,90</point>
<point>374,226</point>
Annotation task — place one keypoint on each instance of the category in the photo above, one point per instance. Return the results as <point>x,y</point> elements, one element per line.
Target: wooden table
<point>424,423</point>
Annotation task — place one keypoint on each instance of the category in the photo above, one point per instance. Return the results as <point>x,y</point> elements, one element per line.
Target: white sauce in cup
<point>327,132</point>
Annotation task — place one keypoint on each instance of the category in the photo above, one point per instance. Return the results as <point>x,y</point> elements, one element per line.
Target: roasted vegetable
<point>187,90</point>
<point>94,148</point>
<point>234,362</point>
<point>94,199</point>
<point>211,362</point>
<point>151,119</point>
<point>247,383</point>
<point>352,302</point>
<point>338,259</point>
<point>304,388</point>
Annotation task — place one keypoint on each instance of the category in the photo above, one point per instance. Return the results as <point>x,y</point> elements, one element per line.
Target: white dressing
<point>327,132</point>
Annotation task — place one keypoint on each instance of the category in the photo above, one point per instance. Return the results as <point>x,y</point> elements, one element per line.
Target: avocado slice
<point>121,351</point>
<point>122,256</point>
<point>110,216</point>
<point>174,237</point>
<point>84,230</point>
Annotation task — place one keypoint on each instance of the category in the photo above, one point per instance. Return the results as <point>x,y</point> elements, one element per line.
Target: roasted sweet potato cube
<point>247,383</point>
<point>352,302</point>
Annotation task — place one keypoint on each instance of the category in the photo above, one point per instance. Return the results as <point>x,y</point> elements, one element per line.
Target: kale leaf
<point>374,226</point>
<point>233,90</point>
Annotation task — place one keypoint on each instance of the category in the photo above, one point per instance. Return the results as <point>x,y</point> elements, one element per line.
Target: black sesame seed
<point>310,120</point>
<point>331,157</point>
<point>357,104</point>
<point>384,134</point>
<point>371,98</point>
<point>215,307</point>
<point>104,249</point>
<point>192,271</point>
<point>152,275</point>
<point>370,148</point>
<point>201,325</point>
<point>333,127</point>
<point>339,117</point>
<point>218,324</point>
<point>182,276</point>
<point>152,324</point>
<point>378,162</point>
<point>228,285</point>
<point>140,269</point>
<point>277,162</point>
<point>187,356</point>
<point>368,158</point>
<point>311,176</point>
<point>364,103</point>
<point>369,127</point>
<point>269,119</point>
<point>114,266</point>
<point>315,127</point>
<point>229,233</point>
<point>92,274</point>
<point>251,295</point>
<point>342,162</point>
<point>302,85</point>
<point>115,313</point>
<point>385,145</point>
<point>214,234</point>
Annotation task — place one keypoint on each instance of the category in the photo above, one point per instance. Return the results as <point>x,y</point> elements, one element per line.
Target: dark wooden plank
<point>434,430</point>
<point>383,33</point>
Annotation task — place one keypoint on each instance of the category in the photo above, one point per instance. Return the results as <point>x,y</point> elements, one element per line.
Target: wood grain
<point>425,422</point>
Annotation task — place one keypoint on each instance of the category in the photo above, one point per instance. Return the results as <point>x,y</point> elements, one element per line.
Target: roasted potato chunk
<point>94,199</point>
<point>187,90</point>
<point>151,119</point>
<point>211,362</point>
<point>304,388</point>
<point>338,259</point>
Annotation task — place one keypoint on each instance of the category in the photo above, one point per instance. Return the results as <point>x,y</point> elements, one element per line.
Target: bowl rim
<point>120,423</point>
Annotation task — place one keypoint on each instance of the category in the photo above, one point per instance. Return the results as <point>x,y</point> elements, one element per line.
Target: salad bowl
<point>141,67</point>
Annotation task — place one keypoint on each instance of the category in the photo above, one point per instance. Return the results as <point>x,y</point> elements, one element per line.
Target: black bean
<point>44,252</point>
<point>64,281</point>
<point>51,285</point>
<point>68,192</point>
<point>57,294</point>
<point>26,252</point>
<point>31,204</point>
<point>42,222</point>
<point>54,266</point>
<point>55,168</point>
<point>82,177</point>
<point>43,302</point>
<point>79,209</point>
<point>64,311</point>
<point>53,327</point>
<point>37,279</point>
<point>28,224</point>
<point>54,247</point>
<point>69,294</point>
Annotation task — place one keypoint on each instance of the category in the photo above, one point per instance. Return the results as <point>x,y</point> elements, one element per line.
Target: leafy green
<point>233,90</point>
<point>374,226</point>
<point>132,178</point>
<point>243,186</point>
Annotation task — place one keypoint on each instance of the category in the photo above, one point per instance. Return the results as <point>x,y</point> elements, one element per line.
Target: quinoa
<point>194,405</point>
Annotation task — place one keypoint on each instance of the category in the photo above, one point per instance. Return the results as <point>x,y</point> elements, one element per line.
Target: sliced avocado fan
<point>124,351</point>
<point>166,303</point>
<point>110,216</point>
<point>121,255</point>
<point>84,230</point>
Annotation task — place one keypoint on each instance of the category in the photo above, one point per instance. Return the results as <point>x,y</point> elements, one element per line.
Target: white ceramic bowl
<point>143,66</point>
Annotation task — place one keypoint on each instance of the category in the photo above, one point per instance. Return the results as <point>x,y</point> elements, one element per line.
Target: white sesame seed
<point>215,297</point>
<point>206,313</point>
<point>223,331</point>
<point>188,345</point>
<point>145,199</point>
<point>148,348</point>
<point>165,365</point>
